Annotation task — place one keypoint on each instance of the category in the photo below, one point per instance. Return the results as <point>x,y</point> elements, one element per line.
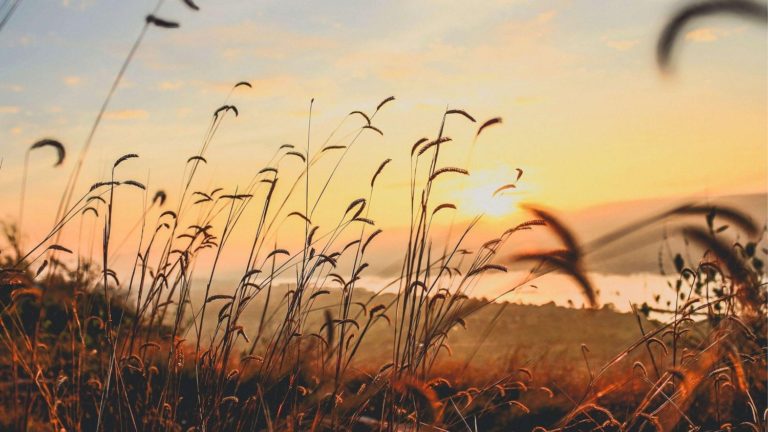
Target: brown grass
<point>86,348</point>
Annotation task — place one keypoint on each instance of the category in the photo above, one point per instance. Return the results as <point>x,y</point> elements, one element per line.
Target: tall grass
<point>88,351</point>
<point>86,348</point>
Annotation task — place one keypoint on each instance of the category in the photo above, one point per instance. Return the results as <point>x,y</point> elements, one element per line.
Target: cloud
<point>246,41</point>
<point>170,85</point>
<point>523,47</point>
<point>437,57</point>
<point>525,32</point>
<point>709,34</point>
<point>545,17</point>
<point>393,63</point>
<point>15,88</point>
<point>281,87</point>
<point>81,4</point>
<point>129,114</point>
<point>704,34</point>
<point>8,109</point>
<point>17,130</point>
<point>126,84</point>
<point>621,44</point>
<point>72,80</point>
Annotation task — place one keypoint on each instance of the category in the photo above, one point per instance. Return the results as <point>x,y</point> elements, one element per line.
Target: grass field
<point>298,341</point>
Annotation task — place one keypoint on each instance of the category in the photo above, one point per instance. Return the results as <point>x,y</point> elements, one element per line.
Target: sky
<point>586,113</point>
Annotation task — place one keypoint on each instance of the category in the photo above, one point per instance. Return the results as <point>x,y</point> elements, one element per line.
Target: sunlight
<point>476,194</point>
<point>435,215</point>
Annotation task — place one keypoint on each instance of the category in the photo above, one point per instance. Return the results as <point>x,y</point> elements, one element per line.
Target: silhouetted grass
<point>86,348</point>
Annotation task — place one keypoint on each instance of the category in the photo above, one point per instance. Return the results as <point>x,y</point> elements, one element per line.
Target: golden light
<point>476,195</point>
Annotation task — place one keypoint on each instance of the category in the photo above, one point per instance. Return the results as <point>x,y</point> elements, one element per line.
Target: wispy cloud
<point>709,34</point>
<point>15,88</point>
<point>72,80</point>
<point>9,109</point>
<point>530,30</point>
<point>244,40</point>
<point>704,34</point>
<point>129,114</point>
<point>621,44</point>
<point>282,86</point>
<point>78,4</point>
<point>170,85</point>
<point>437,56</point>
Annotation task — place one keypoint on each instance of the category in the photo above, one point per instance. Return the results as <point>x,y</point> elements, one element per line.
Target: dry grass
<point>85,348</point>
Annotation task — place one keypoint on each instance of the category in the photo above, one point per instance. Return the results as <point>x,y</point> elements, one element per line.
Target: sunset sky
<point>587,115</point>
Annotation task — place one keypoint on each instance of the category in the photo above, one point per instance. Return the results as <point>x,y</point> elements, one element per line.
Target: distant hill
<point>638,252</point>
<point>501,335</point>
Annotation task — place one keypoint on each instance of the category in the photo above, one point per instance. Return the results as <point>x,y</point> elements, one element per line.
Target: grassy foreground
<point>297,343</point>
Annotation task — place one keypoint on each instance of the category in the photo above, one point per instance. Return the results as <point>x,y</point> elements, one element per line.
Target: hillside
<point>507,335</point>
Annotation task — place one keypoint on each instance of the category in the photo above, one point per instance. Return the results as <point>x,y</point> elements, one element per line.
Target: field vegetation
<point>298,342</point>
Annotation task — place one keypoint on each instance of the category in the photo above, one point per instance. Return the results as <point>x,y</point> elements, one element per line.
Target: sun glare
<point>477,195</point>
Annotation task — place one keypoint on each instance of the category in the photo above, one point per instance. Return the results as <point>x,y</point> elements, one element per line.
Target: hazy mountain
<point>639,252</point>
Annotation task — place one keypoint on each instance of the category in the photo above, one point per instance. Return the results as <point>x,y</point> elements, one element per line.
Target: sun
<point>477,194</point>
